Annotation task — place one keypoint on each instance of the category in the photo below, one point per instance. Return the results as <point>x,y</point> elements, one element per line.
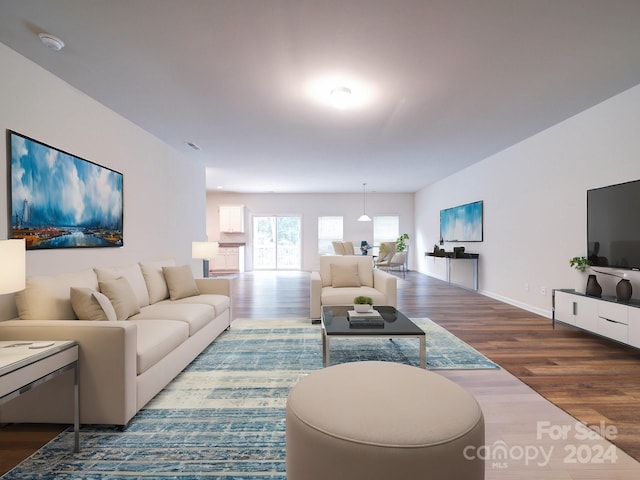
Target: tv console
<point>602,316</point>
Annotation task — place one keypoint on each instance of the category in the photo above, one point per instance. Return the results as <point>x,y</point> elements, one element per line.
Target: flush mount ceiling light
<point>364,217</point>
<point>342,92</point>
<point>51,42</point>
<point>341,97</point>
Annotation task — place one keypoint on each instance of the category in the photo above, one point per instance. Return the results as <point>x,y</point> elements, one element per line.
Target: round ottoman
<point>382,420</point>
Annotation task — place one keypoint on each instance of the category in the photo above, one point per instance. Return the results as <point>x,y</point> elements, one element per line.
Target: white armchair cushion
<point>344,296</point>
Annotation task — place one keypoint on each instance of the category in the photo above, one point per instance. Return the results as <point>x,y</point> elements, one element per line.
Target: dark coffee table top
<point>335,322</point>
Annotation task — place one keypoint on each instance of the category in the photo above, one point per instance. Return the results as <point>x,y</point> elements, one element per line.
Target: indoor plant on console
<point>362,304</point>
<point>581,264</point>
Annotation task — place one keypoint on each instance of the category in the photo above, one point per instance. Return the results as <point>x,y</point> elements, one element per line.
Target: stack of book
<point>366,319</point>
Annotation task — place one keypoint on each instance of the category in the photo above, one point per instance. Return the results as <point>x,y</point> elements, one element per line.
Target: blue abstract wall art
<point>58,200</point>
<point>462,223</point>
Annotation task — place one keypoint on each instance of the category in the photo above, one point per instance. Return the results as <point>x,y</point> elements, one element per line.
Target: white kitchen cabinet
<point>232,218</point>
<point>227,260</point>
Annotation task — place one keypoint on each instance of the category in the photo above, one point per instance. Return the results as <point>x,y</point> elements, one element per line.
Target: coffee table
<point>334,323</point>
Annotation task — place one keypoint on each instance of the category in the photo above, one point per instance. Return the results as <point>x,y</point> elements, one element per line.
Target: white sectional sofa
<point>137,327</point>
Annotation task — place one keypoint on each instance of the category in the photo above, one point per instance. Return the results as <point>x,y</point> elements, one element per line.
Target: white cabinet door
<point>577,310</point>
<point>219,262</point>
<point>233,259</point>
<point>566,307</point>
<point>232,218</point>
<point>227,259</point>
<point>588,313</point>
<point>634,327</point>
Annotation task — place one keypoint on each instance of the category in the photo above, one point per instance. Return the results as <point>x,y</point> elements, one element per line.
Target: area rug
<point>223,417</point>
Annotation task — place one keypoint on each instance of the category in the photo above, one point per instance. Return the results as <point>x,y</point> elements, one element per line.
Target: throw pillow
<point>133,274</point>
<point>153,276</point>
<point>180,282</point>
<point>121,296</point>
<point>345,275</point>
<point>91,305</point>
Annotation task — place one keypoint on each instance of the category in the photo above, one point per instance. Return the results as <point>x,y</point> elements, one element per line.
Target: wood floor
<point>593,379</point>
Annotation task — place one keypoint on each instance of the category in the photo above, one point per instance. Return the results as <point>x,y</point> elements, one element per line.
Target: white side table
<point>26,364</point>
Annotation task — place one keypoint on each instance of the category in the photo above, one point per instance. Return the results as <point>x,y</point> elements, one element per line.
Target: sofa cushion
<point>220,303</point>
<point>122,297</point>
<point>156,339</point>
<point>195,316</point>
<point>133,274</point>
<point>345,296</point>
<point>154,278</point>
<point>89,304</point>
<point>180,282</point>
<point>345,275</point>
<point>46,297</point>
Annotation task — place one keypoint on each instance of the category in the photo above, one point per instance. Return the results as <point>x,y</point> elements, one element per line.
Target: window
<point>329,230</point>
<point>385,229</point>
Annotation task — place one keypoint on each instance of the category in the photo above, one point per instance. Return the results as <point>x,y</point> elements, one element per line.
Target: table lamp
<point>204,251</point>
<point>13,266</point>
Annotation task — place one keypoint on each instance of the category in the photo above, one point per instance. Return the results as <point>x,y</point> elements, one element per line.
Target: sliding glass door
<point>276,243</point>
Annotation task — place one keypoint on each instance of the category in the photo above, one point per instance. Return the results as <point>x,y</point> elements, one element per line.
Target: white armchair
<point>342,278</point>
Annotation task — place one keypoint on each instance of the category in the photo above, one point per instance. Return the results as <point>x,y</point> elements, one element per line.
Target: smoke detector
<point>53,43</point>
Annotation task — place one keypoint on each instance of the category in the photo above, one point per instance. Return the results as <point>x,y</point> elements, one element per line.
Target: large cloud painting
<point>462,223</point>
<point>59,200</point>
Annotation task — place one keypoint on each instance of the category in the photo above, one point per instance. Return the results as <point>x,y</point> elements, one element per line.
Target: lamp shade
<point>204,250</point>
<point>13,261</point>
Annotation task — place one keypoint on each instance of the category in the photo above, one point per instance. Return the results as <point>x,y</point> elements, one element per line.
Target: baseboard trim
<point>515,303</point>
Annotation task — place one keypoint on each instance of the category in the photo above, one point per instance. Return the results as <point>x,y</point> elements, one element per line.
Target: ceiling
<point>437,85</point>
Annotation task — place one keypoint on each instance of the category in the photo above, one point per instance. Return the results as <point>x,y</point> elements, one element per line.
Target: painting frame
<point>58,200</point>
<point>464,223</point>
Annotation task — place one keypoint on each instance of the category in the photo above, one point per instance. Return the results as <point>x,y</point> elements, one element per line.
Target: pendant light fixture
<point>364,217</point>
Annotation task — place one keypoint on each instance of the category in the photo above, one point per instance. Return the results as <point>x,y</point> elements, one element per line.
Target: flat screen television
<point>613,226</point>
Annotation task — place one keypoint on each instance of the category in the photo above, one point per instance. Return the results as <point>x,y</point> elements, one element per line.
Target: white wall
<point>309,207</point>
<point>164,192</point>
<point>534,197</point>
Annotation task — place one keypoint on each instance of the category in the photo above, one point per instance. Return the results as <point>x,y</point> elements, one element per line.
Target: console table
<point>25,365</point>
<point>457,276</point>
<point>603,316</point>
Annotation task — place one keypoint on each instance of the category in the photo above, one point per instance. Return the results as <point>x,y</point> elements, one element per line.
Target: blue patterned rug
<point>223,416</point>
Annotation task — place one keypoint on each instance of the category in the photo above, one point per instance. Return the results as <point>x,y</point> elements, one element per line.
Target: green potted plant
<point>580,263</point>
<point>401,242</point>
<point>362,304</point>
